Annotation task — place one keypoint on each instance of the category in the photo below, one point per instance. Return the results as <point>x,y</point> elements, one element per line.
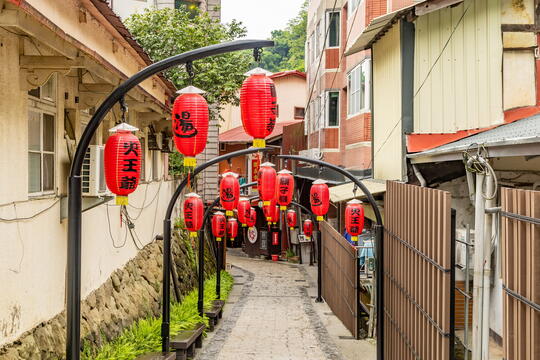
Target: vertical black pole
<point>218,269</point>
<point>453,285</point>
<point>165,325</point>
<point>319,266</point>
<point>200,303</point>
<point>380,291</point>
<point>73,312</point>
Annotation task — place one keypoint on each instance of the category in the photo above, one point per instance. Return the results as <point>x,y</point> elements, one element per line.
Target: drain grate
<point>300,280</point>
<point>238,283</point>
<point>342,337</point>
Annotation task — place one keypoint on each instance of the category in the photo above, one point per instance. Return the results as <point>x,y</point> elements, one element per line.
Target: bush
<point>144,335</point>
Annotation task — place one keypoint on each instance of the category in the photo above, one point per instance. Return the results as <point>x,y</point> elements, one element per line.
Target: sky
<point>260,17</point>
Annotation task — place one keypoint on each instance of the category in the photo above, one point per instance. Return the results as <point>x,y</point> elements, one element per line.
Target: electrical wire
<point>110,232</point>
<point>16,218</point>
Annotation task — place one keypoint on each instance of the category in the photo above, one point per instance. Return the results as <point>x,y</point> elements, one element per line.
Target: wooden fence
<point>340,277</point>
<point>521,273</point>
<point>419,276</point>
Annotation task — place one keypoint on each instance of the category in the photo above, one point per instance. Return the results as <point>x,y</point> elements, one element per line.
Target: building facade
<point>125,8</point>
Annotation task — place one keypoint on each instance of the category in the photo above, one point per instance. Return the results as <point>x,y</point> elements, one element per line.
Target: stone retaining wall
<point>131,293</point>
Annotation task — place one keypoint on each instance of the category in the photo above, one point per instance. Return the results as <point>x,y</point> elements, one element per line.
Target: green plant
<point>290,253</point>
<point>144,335</point>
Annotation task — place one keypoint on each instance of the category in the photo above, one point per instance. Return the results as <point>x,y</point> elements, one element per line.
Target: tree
<point>167,32</point>
<point>288,52</point>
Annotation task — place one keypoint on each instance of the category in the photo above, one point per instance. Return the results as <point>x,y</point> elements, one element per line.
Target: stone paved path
<point>272,318</point>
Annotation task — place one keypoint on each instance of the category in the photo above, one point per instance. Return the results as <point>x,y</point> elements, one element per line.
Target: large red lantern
<point>232,228</point>
<point>244,211</point>
<point>319,197</point>
<point>219,225</point>
<point>193,213</point>
<point>354,218</point>
<point>229,192</point>
<point>291,219</point>
<point>190,124</point>
<point>267,183</point>
<point>258,104</point>
<point>284,188</point>
<point>308,228</point>
<point>252,220</point>
<point>122,162</point>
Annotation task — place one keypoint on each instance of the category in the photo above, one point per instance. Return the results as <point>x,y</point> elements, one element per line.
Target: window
<point>299,112</point>
<point>155,164</point>
<point>332,108</point>
<point>41,149</point>
<point>353,5</point>
<point>42,138</point>
<point>358,87</point>
<point>333,29</point>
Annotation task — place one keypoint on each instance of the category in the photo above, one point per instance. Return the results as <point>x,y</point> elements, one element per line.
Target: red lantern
<point>232,228</point>
<point>193,213</point>
<point>252,220</point>
<point>269,210</point>
<point>244,210</point>
<point>258,104</point>
<point>354,218</point>
<point>229,192</point>
<point>122,162</point>
<point>267,183</point>
<point>284,188</point>
<point>190,124</point>
<point>275,214</point>
<point>291,219</point>
<point>218,225</point>
<point>308,228</point>
<point>319,198</point>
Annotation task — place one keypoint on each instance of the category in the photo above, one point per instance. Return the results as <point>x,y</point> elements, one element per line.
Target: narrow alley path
<point>270,315</point>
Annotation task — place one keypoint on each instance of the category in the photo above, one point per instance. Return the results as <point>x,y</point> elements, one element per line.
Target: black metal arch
<point>73,308</point>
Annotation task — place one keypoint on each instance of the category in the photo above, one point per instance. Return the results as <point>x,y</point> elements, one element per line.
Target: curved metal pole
<point>166,314</point>
<point>73,307</point>
<point>379,244</point>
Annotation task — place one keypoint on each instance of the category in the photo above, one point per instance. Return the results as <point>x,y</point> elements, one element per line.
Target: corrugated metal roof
<point>521,132</point>
<point>345,192</point>
<point>238,135</point>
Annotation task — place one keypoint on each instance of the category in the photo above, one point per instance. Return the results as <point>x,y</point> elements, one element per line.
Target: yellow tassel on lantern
<point>266,203</point>
<point>320,218</point>
<point>229,213</point>
<point>282,207</point>
<point>292,228</point>
<point>190,162</point>
<point>259,143</point>
<point>121,200</point>
<point>218,239</point>
<point>244,225</point>
<point>354,238</point>
<point>193,234</point>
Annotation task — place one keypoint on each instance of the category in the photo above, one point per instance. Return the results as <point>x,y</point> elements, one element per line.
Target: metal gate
<point>340,277</point>
<point>419,274</point>
<point>521,273</point>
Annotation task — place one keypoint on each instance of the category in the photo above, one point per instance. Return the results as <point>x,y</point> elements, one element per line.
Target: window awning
<point>345,192</point>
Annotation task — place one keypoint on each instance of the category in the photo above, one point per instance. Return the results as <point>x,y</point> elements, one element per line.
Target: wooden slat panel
<point>417,272</point>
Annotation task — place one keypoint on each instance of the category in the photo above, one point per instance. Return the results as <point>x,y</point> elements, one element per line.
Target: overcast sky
<point>260,17</point>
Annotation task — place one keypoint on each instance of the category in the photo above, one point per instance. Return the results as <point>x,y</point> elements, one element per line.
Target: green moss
<point>144,335</point>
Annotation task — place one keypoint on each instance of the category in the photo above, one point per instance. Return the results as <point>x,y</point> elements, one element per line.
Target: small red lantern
<point>354,218</point>
<point>267,183</point>
<point>284,188</point>
<point>275,214</point>
<point>219,225</point>
<point>122,162</point>
<point>308,228</point>
<point>193,213</point>
<point>232,228</point>
<point>319,198</point>
<point>258,104</point>
<point>229,192</point>
<point>190,124</point>
<point>291,219</point>
<point>244,210</point>
<point>269,210</point>
<point>252,220</point>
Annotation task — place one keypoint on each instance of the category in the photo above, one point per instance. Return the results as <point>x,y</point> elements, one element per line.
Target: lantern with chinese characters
<point>244,211</point>
<point>232,228</point>
<point>219,225</point>
<point>308,228</point>
<point>291,219</point>
<point>269,210</point>
<point>258,104</point>
<point>252,218</point>
<point>354,218</point>
<point>267,183</point>
<point>193,213</point>
<point>319,197</point>
<point>190,123</point>
<point>229,192</point>
<point>122,162</point>
<point>284,188</point>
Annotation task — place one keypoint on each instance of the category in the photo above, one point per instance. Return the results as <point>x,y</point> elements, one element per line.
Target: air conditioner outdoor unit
<point>461,249</point>
<point>93,172</point>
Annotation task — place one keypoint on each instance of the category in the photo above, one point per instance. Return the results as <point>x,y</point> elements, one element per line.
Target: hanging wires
<point>476,162</point>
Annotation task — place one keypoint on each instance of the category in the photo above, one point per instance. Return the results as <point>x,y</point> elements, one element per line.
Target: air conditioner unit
<point>461,249</point>
<point>93,172</point>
